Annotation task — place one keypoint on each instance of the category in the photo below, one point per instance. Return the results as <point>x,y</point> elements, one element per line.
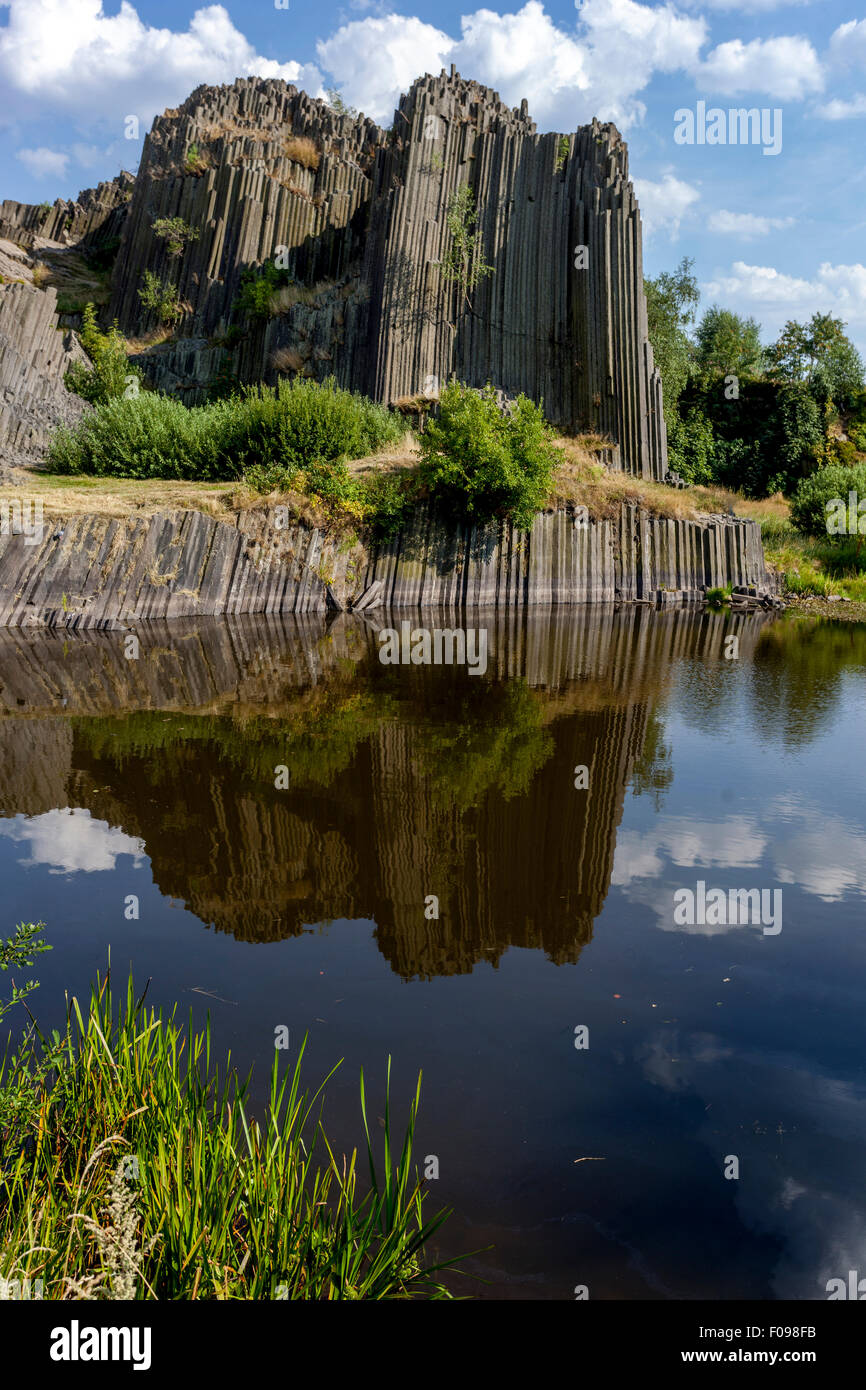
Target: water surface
<point>306,907</point>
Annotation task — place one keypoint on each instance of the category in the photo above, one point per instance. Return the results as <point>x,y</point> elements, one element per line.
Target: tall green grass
<point>140,1173</point>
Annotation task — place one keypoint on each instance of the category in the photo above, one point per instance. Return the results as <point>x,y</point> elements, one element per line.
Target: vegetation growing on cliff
<point>111,374</point>
<point>175,233</point>
<point>132,1170</point>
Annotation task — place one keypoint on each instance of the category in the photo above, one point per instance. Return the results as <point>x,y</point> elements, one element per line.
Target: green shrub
<point>809,507</point>
<point>112,374</point>
<point>297,425</point>
<point>480,462</point>
<point>691,447</point>
<point>259,284</point>
<point>175,233</point>
<point>161,297</point>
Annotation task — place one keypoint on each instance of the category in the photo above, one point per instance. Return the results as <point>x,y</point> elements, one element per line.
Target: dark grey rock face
<point>102,572</point>
<point>34,356</point>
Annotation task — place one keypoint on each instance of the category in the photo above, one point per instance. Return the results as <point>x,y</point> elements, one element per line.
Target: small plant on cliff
<point>196,160</point>
<point>562,150</point>
<point>43,210</point>
<point>463,262</point>
<point>112,374</point>
<point>300,149</point>
<point>176,233</point>
<point>336,103</point>
<point>259,286</point>
<point>161,297</point>
<point>481,462</point>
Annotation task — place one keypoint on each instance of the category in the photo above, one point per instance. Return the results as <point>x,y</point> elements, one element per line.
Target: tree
<point>728,345</point>
<point>671,299</point>
<point>464,261</point>
<point>818,354</point>
<point>336,102</point>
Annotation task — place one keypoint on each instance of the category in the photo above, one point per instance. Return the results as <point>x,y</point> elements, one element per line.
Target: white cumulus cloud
<point>43,162</point>
<point>747,226</point>
<point>785,68</point>
<point>835,289</point>
<point>664,203</point>
<point>69,55</point>
<point>71,841</point>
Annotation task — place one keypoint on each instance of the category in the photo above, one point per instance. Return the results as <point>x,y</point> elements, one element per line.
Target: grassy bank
<point>130,1168</point>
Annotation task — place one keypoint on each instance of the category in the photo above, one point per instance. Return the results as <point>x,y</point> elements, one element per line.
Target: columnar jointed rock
<point>362,214</point>
<point>95,571</point>
<point>95,217</point>
<point>34,357</point>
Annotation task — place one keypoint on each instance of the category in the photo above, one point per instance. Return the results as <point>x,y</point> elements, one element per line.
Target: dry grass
<point>300,149</point>
<point>65,497</point>
<point>287,359</point>
<point>225,129</point>
<point>154,339</point>
<point>286,298</point>
<point>582,480</point>
<point>579,480</point>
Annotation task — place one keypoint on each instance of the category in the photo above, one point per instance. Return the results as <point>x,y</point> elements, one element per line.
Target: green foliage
<point>671,299</point>
<point>18,951</point>
<point>217,1206</point>
<point>296,425</point>
<point>111,374</point>
<point>258,286</point>
<point>30,1064</point>
<point>562,148</point>
<point>44,209</point>
<point>196,160</point>
<point>692,447</point>
<point>480,462</point>
<point>727,345</point>
<point>175,233</point>
<point>809,506</point>
<point>820,355</point>
<point>464,262</point>
<point>336,102</point>
<point>160,297</point>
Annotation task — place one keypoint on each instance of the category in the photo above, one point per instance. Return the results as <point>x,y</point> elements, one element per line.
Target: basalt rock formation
<point>355,225</point>
<point>95,571</point>
<point>35,354</point>
<point>359,216</point>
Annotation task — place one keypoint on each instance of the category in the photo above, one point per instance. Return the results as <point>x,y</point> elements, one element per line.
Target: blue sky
<point>776,236</point>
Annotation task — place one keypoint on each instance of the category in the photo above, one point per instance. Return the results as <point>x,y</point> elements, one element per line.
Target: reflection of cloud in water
<point>71,841</point>
<point>801,1186</point>
<point>819,853</point>
<point>827,859</point>
<point>728,844</point>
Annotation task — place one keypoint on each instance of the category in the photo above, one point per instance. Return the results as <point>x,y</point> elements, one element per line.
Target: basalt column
<point>562,317</point>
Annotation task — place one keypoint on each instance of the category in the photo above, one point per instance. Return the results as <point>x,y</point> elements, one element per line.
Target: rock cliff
<point>100,571</point>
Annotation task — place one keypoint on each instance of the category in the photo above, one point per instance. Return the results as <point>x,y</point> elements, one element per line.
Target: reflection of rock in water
<point>405,781</point>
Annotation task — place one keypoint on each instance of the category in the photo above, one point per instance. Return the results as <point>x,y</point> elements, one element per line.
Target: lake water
<point>305,907</point>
